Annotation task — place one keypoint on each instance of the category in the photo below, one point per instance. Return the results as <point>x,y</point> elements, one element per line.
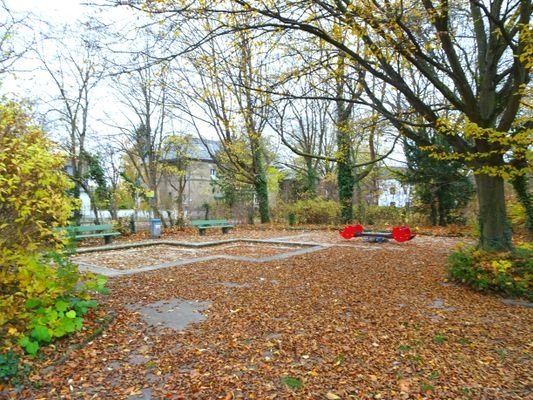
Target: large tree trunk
<point>494,228</point>
<point>311,177</point>
<point>345,176</point>
<point>260,180</point>
<point>76,214</point>
<point>261,190</point>
<point>346,183</point>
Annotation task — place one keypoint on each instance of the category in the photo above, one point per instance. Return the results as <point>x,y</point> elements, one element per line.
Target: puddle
<point>177,314</point>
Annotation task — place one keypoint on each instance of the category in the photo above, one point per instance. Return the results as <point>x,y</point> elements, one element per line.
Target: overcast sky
<point>29,81</point>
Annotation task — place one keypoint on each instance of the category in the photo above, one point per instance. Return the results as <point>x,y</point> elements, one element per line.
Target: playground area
<point>291,315</point>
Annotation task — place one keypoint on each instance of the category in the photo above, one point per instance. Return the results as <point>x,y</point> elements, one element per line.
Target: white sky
<point>58,12</point>
<point>49,10</point>
<point>35,85</point>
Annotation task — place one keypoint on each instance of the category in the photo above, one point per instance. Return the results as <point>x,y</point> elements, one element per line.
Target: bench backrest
<point>89,228</point>
<point>202,222</point>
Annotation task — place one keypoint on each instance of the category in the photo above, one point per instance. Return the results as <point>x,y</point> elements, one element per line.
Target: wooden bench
<point>88,231</point>
<point>203,224</point>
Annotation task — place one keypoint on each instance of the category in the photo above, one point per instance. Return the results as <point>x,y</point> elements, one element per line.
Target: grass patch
<point>292,382</point>
<point>510,274</point>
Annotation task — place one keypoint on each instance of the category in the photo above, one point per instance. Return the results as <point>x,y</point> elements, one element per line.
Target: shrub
<point>41,296</point>
<point>312,211</point>
<point>123,225</point>
<point>9,365</point>
<point>385,215</point>
<point>506,273</point>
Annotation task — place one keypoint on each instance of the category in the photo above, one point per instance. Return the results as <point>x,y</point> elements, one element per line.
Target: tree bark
<point>311,177</point>
<point>494,228</point>
<point>346,184</point>
<point>261,189</point>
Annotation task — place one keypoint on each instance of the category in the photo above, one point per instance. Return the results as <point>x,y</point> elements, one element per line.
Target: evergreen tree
<point>441,186</point>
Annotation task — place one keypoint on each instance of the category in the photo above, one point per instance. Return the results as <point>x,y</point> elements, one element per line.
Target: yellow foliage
<point>501,266</point>
<point>33,185</point>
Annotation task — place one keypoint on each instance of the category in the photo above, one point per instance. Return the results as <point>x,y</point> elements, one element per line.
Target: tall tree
<point>144,94</point>
<point>306,125</point>
<point>178,153</point>
<point>441,186</point>
<point>228,72</point>
<point>74,74</point>
<point>11,47</point>
<point>473,53</point>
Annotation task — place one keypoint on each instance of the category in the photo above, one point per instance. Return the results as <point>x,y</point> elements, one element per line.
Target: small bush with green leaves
<point>508,273</point>
<point>54,301</point>
<point>9,365</point>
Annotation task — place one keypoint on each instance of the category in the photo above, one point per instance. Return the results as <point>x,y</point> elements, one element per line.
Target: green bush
<point>9,365</point>
<point>51,301</point>
<point>312,211</point>
<point>385,215</point>
<point>506,273</point>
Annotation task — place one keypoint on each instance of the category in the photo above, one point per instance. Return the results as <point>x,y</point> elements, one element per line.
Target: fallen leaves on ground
<point>352,321</point>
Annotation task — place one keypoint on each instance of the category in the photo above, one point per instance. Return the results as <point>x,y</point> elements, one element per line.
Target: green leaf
<point>404,348</point>
<point>59,331</point>
<point>292,382</point>
<point>439,339</point>
<point>71,314</point>
<point>68,325</point>
<point>41,334</point>
<point>103,290</point>
<point>78,323</point>
<point>32,348</point>
<point>61,306</point>
<point>32,303</point>
<point>23,341</point>
<point>52,315</point>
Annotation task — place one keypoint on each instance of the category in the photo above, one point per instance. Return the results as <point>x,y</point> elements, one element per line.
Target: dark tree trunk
<point>76,215</point>
<point>261,190</point>
<point>346,184</point>
<point>95,210</point>
<point>311,177</point>
<point>433,212</point>
<point>494,228</point>
<point>260,181</point>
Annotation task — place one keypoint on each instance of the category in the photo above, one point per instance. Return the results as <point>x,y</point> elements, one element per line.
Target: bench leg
<point>201,231</point>
<point>107,239</point>
<point>225,230</point>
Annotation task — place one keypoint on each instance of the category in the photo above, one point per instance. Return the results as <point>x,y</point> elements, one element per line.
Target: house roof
<point>199,149</point>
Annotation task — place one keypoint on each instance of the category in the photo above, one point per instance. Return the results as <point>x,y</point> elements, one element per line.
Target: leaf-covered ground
<point>355,320</point>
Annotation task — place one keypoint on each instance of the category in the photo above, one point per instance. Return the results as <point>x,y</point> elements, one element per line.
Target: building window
<point>213,173</point>
<point>392,204</point>
<point>392,190</point>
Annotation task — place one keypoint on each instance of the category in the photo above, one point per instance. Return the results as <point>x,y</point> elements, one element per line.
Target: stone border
<point>308,248</point>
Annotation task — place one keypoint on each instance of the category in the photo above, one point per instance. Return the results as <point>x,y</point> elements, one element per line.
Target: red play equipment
<point>399,233</point>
